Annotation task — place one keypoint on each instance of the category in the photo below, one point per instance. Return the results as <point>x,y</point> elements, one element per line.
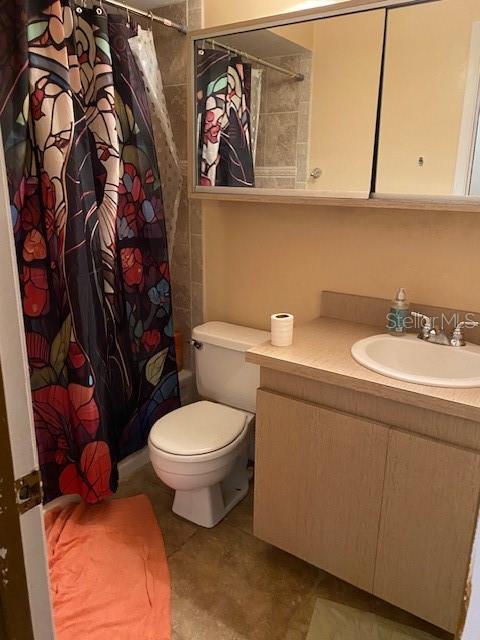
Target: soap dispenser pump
<point>399,312</point>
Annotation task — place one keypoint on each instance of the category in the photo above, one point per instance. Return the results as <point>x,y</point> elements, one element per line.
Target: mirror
<point>429,142</point>
<point>291,107</point>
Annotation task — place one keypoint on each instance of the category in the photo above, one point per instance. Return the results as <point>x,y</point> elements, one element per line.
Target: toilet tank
<point>221,371</point>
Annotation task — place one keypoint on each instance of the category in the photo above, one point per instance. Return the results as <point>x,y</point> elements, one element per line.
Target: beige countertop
<point>321,351</point>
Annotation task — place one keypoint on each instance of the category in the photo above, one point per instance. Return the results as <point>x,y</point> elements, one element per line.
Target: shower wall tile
<point>196,218</point>
<point>176,96</point>
<point>302,158</point>
<point>197,304</point>
<point>260,154</point>
<point>187,260</point>
<point>305,86</point>
<point>182,234</point>
<point>275,182</point>
<point>283,130</point>
<point>180,266</point>
<point>194,5</point>
<point>174,73</point>
<point>195,19</point>
<point>183,322</point>
<point>281,139</point>
<point>181,293</point>
<point>282,92</point>
<point>303,122</point>
<point>195,14</point>
<point>264,91</point>
<point>176,12</point>
<point>171,46</point>
<point>197,259</point>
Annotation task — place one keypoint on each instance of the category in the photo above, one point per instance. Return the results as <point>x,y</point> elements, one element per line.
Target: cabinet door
<point>318,485</point>
<point>428,518</point>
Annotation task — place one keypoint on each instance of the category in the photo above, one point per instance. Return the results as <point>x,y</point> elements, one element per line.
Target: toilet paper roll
<point>282,329</point>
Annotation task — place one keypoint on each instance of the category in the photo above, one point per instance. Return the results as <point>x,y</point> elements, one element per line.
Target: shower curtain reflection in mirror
<point>225,145</point>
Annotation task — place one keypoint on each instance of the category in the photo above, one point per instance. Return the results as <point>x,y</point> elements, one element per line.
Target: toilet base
<point>209,505</point>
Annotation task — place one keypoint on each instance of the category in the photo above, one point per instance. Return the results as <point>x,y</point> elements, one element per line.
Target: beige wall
<point>261,259</point>
<point>265,259</point>
<point>217,12</point>
<point>426,65</point>
<point>301,33</point>
<point>346,62</point>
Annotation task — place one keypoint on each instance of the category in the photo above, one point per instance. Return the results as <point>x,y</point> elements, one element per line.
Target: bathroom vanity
<point>372,479</point>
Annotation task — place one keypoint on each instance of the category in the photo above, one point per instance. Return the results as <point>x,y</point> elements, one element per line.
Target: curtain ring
<point>128,18</point>
<point>151,20</point>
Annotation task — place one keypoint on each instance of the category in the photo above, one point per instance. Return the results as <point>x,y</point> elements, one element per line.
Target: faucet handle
<point>458,338</point>
<point>426,323</point>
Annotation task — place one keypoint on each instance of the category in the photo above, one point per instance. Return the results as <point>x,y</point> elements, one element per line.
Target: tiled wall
<point>187,260</point>
<point>282,146</point>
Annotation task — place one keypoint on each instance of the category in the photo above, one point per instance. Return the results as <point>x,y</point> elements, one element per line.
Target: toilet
<point>201,449</point>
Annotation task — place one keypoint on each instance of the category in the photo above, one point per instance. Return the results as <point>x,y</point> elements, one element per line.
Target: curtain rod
<point>147,14</point>
<point>244,54</point>
<point>182,29</point>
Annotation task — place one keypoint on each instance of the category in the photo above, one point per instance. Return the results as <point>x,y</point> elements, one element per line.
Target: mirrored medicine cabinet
<point>356,101</point>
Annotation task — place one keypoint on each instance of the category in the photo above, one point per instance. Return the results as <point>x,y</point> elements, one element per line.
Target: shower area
<point>102,227</point>
<point>108,254</point>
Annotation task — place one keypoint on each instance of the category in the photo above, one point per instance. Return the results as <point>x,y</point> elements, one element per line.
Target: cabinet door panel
<point>318,485</point>
<point>428,517</point>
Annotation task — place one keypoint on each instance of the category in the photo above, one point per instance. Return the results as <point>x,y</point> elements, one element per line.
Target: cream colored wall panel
<point>217,12</point>
<point>346,64</point>
<point>261,259</point>
<point>427,58</point>
<point>301,33</point>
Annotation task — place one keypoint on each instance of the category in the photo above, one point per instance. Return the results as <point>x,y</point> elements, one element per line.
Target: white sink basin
<point>412,360</point>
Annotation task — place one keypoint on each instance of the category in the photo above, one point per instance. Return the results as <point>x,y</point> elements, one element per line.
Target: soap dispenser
<point>399,312</point>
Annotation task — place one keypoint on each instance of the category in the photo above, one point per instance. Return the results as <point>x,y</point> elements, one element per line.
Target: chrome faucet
<point>430,333</point>
<point>458,339</point>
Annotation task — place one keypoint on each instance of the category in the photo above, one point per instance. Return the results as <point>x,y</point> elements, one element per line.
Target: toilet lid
<point>198,428</point>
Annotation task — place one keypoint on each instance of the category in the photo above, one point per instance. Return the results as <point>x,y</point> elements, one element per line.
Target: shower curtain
<point>223,113</point>
<point>143,48</point>
<point>255,107</point>
<point>89,230</point>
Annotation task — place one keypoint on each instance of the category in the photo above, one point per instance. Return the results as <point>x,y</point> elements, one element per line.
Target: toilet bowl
<point>201,449</point>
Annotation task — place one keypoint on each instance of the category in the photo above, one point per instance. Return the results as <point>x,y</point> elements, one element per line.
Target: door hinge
<point>28,491</point>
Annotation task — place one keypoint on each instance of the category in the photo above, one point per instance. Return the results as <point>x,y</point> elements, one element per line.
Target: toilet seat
<point>198,429</point>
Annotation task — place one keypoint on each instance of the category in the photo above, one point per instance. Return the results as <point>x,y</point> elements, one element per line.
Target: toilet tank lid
<point>229,336</point>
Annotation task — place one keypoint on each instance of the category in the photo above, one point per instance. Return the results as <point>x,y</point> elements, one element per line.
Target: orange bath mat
<point>108,571</point>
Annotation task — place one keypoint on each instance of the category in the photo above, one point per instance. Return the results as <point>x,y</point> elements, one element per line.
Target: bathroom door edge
<point>19,433</point>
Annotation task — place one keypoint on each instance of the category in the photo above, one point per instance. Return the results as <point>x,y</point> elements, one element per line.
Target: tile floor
<point>228,585</point>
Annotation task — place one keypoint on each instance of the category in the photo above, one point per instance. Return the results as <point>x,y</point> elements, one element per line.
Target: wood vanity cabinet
<point>318,485</point>
<point>389,511</point>
<point>428,518</point>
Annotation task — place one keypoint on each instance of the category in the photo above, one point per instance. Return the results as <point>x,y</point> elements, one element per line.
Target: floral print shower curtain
<point>223,111</point>
<point>89,230</point>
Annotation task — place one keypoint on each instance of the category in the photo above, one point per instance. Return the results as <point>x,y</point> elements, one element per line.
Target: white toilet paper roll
<point>282,329</point>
